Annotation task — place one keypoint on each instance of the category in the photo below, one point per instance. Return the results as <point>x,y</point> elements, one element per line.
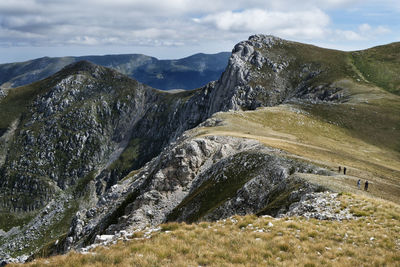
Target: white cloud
<point>363,28</point>
<point>347,35</point>
<point>382,30</point>
<point>363,33</point>
<point>305,24</point>
<point>84,40</point>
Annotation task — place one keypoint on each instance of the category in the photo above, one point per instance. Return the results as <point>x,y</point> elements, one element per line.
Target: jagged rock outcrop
<point>196,178</point>
<point>321,205</point>
<point>261,72</point>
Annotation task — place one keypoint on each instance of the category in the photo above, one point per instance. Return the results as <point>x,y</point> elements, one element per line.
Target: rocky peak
<point>235,85</point>
<point>83,115</point>
<point>264,71</point>
<point>260,40</point>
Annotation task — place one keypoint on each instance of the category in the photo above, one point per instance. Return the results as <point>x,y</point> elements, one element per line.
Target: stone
<point>322,206</point>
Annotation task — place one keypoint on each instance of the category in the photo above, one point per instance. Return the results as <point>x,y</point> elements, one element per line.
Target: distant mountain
<point>186,73</point>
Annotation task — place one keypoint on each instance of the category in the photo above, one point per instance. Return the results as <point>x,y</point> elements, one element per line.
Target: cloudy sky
<point>178,28</point>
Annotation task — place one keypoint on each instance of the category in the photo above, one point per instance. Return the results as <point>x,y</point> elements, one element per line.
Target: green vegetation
<point>280,196</point>
<point>330,65</point>
<point>17,102</point>
<point>362,134</point>
<point>217,189</point>
<point>80,188</point>
<point>9,220</point>
<point>375,67</point>
<point>376,122</point>
<point>127,159</point>
<point>57,231</point>
<point>381,66</point>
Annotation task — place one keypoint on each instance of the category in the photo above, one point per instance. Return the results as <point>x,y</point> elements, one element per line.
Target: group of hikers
<point>359,180</point>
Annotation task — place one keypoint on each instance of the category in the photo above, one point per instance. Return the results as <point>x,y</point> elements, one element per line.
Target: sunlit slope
<point>260,241</point>
<point>380,65</point>
<point>363,135</point>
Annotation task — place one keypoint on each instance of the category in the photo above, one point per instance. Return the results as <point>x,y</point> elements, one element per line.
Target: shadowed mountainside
<point>186,73</point>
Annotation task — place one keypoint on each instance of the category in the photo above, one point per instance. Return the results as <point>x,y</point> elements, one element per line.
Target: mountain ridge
<point>123,155</point>
<point>163,74</point>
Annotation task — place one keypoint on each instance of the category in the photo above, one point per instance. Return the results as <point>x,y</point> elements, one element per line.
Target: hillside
<point>380,66</point>
<point>258,241</point>
<point>186,73</point>
<point>90,152</point>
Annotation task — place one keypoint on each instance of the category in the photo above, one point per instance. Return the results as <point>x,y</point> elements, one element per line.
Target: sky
<point>169,29</point>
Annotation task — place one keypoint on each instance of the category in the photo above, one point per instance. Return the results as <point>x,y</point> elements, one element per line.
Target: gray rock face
<point>159,187</point>
<point>260,73</point>
<point>71,130</point>
<point>82,124</point>
<point>321,206</point>
<point>179,184</point>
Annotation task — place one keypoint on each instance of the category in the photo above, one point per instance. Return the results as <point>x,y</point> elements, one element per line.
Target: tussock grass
<point>372,239</point>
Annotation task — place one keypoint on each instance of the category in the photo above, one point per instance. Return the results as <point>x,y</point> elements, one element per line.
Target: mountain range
<point>186,73</point>
<point>90,152</point>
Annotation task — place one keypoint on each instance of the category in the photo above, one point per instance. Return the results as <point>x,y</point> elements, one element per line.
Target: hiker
<point>344,170</point>
<point>366,186</point>
<point>358,184</point>
<point>340,169</point>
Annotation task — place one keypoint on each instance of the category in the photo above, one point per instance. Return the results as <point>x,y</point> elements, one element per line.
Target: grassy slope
<point>253,241</point>
<point>331,65</point>
<point>16,103</point>
<point>381,66</point>
<point>345,136</point>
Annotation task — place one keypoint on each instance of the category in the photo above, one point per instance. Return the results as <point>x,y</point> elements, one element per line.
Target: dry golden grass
<point>371,240</point>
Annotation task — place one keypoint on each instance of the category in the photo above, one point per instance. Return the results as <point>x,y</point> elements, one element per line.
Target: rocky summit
<point>89,155</point>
